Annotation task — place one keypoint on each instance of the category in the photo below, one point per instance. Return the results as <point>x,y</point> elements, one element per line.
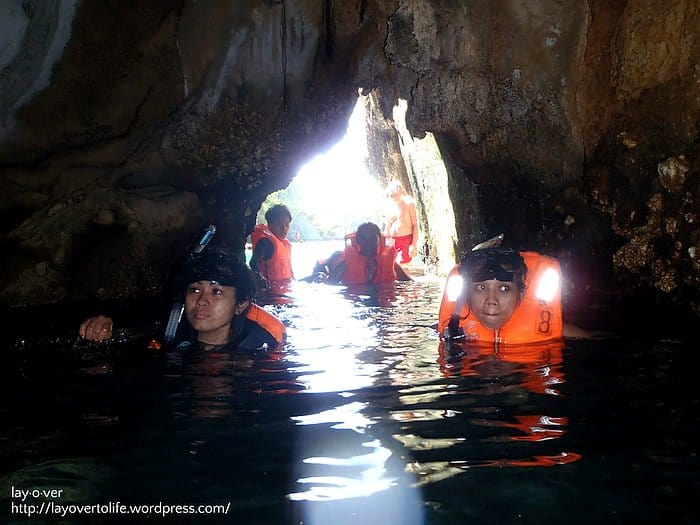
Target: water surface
<point>362,418</point>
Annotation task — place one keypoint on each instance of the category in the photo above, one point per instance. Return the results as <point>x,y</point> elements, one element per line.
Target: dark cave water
<point>360,419</point>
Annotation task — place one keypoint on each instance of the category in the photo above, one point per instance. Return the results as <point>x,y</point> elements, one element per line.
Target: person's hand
<point>261,282</point>
<point>320,277</point>
<point>413,250</point>
<point>97,328</point>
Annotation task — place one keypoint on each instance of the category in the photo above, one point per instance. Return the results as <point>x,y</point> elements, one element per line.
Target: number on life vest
<point>544,326</point>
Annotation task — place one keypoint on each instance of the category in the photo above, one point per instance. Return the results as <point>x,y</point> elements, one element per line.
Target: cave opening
<point>334,192</point>
<point>337,190</point>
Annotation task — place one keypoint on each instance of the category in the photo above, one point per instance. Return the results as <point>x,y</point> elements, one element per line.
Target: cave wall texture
<point>126,126</point>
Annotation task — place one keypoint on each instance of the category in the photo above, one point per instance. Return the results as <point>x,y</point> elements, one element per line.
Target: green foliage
<point>309,226</point>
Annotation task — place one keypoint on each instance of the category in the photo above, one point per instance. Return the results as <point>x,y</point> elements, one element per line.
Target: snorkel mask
<point>222,268</point>
<point>501,264</point>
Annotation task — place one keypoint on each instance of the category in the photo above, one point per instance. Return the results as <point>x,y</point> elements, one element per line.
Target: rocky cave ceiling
<point>572,127</point>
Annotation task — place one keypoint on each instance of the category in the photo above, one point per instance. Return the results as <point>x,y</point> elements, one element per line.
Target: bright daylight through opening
<point>334,192</point>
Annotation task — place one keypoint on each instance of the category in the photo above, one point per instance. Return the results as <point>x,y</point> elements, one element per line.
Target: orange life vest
<point>356,263</point>
<point>279,266</point>
<point>534,319</point>
<point>268,321</point>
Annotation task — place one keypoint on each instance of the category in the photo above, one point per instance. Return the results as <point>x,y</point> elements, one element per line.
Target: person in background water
<point>367,259</point>
<point>402,225</point>
<point>498,295</point>
<point>272,252</point>
<point>218,291</point>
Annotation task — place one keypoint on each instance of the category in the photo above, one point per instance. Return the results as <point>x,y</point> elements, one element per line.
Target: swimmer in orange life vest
<point>366,260</point>
<point>501,315</point>
<point>497,295</point>
<point>272,252</point>
<point>217,293</point>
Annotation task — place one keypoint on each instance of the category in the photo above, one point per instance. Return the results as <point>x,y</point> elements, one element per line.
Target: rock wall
<point>555,119</point>
<point>572,127</point>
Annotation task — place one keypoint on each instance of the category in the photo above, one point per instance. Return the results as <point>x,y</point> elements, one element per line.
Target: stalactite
<point>283,41</point>
<point>328,29</point>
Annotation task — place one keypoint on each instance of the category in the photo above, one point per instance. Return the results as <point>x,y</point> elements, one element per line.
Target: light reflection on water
<point>382,358</point>
<point>362,418</point>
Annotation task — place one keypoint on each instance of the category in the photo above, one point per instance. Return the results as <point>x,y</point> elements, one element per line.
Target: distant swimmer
<point>366,259</point>
<point>272,252</point>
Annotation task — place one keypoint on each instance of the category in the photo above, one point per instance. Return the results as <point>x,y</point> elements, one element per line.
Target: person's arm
<point>401,274</point>
<point>391,214</point>
<point>139,316</point>
<point>572,331</point>
<point>98,328</point>
<point>323,268</point>
<point>337,273</point>
<point>413,249</point>
<point>387,226</point>
<point>264,250</point>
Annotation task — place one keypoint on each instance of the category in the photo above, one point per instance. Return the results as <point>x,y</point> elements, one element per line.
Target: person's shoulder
<point>258,336</point>
<point>265,246</point>
<point>572,331</point>
<point>266,321</point>
<point>401,274</point>
<point>337,274</point>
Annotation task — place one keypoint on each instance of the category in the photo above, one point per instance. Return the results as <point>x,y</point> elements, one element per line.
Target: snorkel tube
<point>493,242</point>
<point>178,306</point>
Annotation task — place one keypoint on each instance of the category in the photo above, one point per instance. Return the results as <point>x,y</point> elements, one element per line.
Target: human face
<point>394,190</point>
<point>209,308</point>
<point>493,302</point>
<point>280,227</point>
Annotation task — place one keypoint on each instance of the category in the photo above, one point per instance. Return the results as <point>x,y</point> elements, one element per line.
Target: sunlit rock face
<point>569,127</point>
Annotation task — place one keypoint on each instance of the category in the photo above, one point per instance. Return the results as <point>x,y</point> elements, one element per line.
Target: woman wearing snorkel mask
<point>219,307</point>
<point>218,291</point>
<point>499,295</point>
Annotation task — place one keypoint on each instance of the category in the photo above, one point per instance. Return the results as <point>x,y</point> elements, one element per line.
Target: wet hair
<point>221,267</point>
<point>277,212</point>
<point>366,232</point>
<point>502,264</point>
